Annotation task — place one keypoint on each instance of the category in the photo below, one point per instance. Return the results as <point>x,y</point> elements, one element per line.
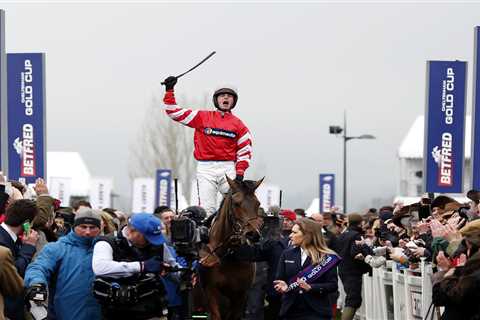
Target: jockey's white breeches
<point>211,181</point>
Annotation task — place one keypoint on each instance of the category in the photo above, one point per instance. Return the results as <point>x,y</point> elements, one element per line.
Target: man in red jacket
<point>223,144</point>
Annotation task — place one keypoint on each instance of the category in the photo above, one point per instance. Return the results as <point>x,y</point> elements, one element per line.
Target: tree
<point>163,143</point>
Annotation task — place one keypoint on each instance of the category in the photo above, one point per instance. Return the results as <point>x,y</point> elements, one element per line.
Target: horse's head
<point>244,208</point>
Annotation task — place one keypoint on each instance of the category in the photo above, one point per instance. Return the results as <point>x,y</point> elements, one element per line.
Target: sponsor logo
<point>26,88</point>
<point>163,182</point>
<point>447,95</point>
<point>220,133</point>
<point>326,197</point>
<point>443,158</point>
<point>26,150</point>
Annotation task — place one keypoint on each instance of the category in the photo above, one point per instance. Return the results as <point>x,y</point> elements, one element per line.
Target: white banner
<point>61,188</point>
<point>143,197</point>
<point>268,195</point>
<point>101,192</point>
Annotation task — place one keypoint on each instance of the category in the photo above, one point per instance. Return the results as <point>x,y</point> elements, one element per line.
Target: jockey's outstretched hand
<point>239,178</point>
<point>170,83</point>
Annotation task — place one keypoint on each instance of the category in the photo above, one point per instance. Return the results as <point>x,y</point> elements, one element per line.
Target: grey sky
<point>296,66</point>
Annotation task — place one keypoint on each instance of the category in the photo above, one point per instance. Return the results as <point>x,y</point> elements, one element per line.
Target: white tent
<point>69,165</point>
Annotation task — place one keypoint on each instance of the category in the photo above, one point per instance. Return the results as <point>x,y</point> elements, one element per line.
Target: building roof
<point>69,165</point>
<point>412,145</point>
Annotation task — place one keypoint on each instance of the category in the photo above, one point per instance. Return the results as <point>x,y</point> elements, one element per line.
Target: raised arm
<point>188,117</point>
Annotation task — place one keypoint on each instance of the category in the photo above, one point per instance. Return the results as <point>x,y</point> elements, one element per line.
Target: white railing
<point>392,294</point>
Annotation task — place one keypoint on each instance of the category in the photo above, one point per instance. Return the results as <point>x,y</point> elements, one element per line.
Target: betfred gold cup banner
<point>163,188</point>
<point>3,97</point>
<point>327,192</point>
<point>476,115</point>
<point>26,116</point>
<point>445,126</point>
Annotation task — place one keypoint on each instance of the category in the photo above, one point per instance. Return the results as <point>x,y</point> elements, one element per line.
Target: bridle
<point>238,226</point>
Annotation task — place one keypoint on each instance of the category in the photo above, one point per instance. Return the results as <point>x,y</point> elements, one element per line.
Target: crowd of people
<point>60,262</point>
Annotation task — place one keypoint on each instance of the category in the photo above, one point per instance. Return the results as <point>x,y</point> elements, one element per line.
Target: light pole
<point>336,130</point>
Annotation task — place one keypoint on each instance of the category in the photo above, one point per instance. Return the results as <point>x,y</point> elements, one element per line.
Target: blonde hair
<point>313,241</point>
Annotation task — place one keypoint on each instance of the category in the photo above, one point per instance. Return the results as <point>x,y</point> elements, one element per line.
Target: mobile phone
<point>26,228</point>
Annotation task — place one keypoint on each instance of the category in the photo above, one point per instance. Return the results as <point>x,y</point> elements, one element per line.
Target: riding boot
<point>348,313</point>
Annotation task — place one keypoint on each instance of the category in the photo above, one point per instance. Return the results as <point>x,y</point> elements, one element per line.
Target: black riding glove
<point>170,82</point>
<point>37,292</point>
<point>239,178</point>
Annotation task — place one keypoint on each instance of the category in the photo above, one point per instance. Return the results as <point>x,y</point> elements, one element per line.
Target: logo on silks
<point>220,133</point>
<point>445,127</point>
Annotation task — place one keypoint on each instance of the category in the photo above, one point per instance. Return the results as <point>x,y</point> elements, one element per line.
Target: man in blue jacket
<point>66,266</point>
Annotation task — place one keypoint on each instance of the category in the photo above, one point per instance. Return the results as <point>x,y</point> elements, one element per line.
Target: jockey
<point>223,144</point>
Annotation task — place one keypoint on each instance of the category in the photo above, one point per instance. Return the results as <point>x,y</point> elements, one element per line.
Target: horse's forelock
<point>248,186</point>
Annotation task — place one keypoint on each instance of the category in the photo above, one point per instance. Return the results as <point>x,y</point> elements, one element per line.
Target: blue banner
<point>3,97</point>
<point>445,126</point>
<point>26,116</point>
<point>475,157</point>
<point>327,192</point>
<point>163,187</point>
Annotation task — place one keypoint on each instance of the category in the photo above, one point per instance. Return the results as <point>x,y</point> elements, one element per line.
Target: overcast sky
<point>296,67</point>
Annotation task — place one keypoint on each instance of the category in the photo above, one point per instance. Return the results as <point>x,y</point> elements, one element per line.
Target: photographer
<point>129,268</point>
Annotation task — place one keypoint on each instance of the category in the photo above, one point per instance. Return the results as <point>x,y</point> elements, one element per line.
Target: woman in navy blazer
<point>309,300</point>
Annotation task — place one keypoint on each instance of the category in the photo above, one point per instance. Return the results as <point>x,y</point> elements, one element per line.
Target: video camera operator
<point>129,268</point>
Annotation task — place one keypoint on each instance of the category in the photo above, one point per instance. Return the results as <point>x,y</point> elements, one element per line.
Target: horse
<point>225,282</point>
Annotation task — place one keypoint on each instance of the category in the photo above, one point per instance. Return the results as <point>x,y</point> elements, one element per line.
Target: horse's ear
<point>258,183</point>
<point>232,183</point>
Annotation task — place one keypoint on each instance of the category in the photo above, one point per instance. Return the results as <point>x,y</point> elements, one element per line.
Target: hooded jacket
<point>66,265</point>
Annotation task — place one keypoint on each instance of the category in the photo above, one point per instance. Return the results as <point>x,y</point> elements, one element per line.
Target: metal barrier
<point>391,293</point>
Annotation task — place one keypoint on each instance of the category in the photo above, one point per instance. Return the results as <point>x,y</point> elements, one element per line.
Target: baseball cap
<point>149,226</point>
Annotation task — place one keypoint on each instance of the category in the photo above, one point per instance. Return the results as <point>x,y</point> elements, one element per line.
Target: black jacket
<point>315,301</point>
<point>347,249</point>
<point>269,251</point>
<point>459,293</point>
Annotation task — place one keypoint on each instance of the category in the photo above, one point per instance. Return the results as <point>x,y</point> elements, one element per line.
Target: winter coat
<point>66,265</point>
<point>347,249</point>
<point>459,293</point>
<point>11,284</point>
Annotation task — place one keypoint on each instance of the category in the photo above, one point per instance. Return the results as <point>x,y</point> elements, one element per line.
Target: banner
<point>3,98</point>
<point>163,188</point>
<point>327,192</point>
<point>445,126</point>
<point>475,150</point>
<point>26,116</point>
<point>100,195</point>
<point>61,188</point>
<point>143,198</point>
<point>268,195</point>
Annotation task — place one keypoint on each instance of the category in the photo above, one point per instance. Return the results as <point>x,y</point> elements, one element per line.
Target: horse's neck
<point>221,228</point>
